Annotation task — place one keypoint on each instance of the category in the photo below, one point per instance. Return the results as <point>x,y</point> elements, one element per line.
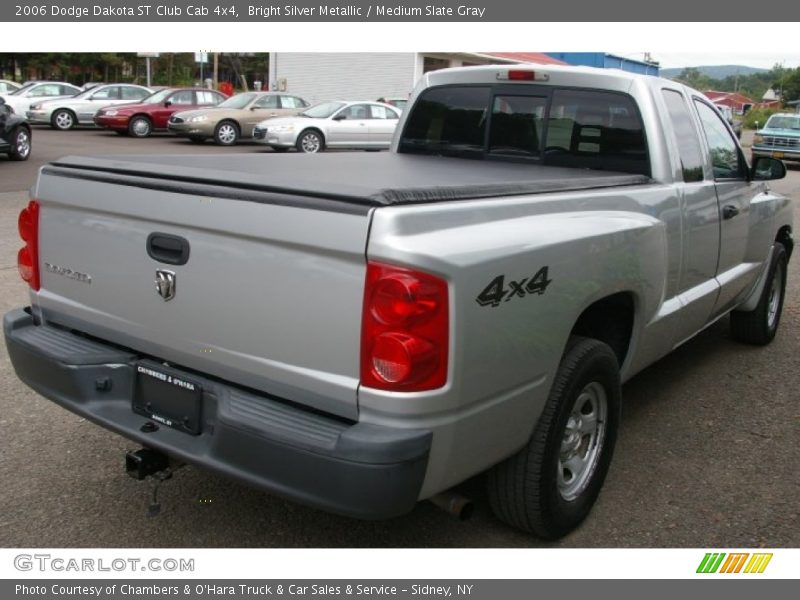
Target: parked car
<point>780,137</point>
<point>6,86</point>
<point>235,118</point>
<point>365,125</point>
<point>396,102</point>
<point>35,91</point>
<point>153,113</point>
<point>66,113</point>
<point>15,134</point>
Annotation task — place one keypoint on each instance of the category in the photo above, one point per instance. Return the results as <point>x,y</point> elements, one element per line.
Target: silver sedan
<point>66,113</point>
<point>21,99</point>
<point>362,125</point>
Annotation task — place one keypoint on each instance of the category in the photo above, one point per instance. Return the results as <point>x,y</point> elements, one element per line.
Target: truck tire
<point>549,486</point>
<point>760,325</point>
<point>20,144</point>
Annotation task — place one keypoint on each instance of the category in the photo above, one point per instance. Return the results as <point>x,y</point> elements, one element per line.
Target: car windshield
<point>322,111</point>
<point>86,93</point>
<point>783,122</point>
<point>238,101</point>
<point>19,92</point>
<point>158,97</point>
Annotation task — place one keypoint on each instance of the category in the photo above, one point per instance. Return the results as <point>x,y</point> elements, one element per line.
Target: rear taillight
<point>404,330</point>
<point>28,256</point>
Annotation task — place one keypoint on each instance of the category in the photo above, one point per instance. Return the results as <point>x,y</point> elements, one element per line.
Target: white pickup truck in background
<point>361,332</point>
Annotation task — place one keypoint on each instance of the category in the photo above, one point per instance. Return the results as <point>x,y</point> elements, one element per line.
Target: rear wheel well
<point>785,237</point>
<point>609,320</point>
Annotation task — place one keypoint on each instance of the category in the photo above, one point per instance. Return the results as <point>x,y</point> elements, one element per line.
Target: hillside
<point>716,71</point>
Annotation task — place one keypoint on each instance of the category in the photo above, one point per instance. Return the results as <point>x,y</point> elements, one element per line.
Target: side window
<point>185,98</point>
<point>204,97</point>
<point>595,130</point>
<point>725,159</point>
<point>686,134</point>
<point>44,90</point>
<point>451,118</point>
<point>291,102</point>
<point>517,125</point>
<point>109,93</point>
<point>381,112</point>
<point>63,90</point>
<point>133,93</point>
<point>267,102</point>
<point>356,111</point>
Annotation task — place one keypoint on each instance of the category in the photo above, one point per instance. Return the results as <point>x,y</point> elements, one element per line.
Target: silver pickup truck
<point>361,332</point>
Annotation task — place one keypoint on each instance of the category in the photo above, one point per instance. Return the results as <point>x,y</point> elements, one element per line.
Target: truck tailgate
<point>270,296</point>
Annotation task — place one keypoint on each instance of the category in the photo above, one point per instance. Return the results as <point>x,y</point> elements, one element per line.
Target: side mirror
<point>340,117</point>
<point>167,103</point>
<point>766,168</point>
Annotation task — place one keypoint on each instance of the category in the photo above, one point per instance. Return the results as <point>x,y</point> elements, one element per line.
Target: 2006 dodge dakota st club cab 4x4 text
<point>362,332</point>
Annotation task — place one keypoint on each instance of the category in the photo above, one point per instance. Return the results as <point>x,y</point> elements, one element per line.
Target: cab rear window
<point>560,127</point>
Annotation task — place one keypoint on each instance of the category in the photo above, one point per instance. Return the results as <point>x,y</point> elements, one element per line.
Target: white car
<point>21,99</point>
<point>363,125</point>
<point>66,113</point>
<point>6,86</point>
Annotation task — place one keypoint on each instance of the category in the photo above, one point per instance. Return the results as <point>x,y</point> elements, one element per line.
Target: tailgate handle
<point>169,249</point>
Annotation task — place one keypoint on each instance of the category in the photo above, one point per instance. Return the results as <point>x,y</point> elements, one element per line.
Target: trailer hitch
<point>147,462</point>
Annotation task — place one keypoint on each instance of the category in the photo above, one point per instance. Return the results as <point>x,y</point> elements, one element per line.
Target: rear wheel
<point>549,487</point>
<point>760,325</point>
<point>140,127</point>
<point>20,144</point>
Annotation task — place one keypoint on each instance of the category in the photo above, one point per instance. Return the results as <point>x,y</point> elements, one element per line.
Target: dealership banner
<point>371,589</point>
<point>392,11</point>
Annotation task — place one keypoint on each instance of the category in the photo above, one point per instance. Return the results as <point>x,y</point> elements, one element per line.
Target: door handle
<point>167,248</point>
<point>729,211</point>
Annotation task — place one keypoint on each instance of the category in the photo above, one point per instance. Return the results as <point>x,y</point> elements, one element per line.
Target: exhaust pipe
<point>454,504</point>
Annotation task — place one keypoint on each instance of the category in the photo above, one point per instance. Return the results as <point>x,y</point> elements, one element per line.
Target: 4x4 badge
<point>165,284</point>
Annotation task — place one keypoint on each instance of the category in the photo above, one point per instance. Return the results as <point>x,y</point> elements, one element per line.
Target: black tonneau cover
<point>356,178</point>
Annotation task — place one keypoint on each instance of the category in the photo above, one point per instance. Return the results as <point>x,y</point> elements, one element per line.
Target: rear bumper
<point>354,469</point>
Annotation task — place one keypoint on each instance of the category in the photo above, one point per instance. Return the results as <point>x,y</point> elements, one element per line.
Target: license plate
<point>777,155</point>
<point>168,397</point>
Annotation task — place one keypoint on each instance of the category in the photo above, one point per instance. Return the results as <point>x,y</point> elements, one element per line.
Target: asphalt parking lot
<point>707,454</point>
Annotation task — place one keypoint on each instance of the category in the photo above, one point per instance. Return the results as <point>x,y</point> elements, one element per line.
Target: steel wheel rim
<point>226,134</point>
<point>310,142</point>
<point>23,144</point>
<point>64,120</point>
<point>141,127</point>
<point>774,298</point>
<point>582,441</point>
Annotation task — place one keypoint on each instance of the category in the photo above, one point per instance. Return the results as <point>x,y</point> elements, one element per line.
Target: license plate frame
<point>168,396</point>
